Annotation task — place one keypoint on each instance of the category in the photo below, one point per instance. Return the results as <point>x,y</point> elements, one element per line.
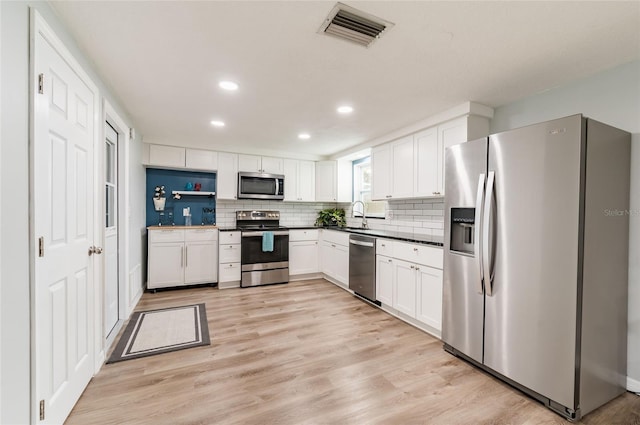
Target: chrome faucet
<point>364,225</point>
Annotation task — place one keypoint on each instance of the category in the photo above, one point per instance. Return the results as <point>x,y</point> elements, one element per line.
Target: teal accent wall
<point>177,180</point>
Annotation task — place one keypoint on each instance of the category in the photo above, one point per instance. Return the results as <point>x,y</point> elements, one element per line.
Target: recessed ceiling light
<point>345,109</point>
<point>304,136</point>
<point>228,85</point>
<point>217,123</point>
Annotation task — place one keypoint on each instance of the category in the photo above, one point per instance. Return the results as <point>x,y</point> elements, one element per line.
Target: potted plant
<point>331,217</point>
<point>159,198</point>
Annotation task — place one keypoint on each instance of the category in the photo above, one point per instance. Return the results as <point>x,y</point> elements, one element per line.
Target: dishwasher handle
<point>368,244</point>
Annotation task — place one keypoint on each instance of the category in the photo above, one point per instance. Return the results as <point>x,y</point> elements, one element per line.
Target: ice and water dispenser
<point>462,230</point>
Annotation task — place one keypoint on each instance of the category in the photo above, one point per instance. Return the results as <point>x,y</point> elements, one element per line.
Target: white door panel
<point>63,187</point>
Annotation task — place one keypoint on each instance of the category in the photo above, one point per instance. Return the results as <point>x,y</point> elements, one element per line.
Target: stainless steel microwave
<point>260,186</point>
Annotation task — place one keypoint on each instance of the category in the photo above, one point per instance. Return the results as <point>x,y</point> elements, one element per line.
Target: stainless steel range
<point>264,249</point>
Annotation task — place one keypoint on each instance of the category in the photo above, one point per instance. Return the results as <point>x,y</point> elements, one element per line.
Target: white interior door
<point>63,225</point>
<point>111,286</point>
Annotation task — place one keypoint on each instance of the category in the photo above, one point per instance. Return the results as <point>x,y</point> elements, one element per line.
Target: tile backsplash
<point>420,216</point>
<point>291,213</point>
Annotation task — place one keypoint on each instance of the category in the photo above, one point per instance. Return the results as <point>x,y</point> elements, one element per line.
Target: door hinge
<point>42,410</point>
<point>41,83</point>
<point>41,246</point>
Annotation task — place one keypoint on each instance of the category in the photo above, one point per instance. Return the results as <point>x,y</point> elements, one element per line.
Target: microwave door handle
<point>277,186</point>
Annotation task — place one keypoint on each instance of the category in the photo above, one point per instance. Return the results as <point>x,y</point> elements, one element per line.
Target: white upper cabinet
<point>426,152</point>
<point>326,187</point>
<point>299,180</point>
<point>413,166</point>
<point>381,172</point>
<point>198,159</point>
<point>260,164</point>
<point>166,156</point>
<point>179,158</point>
<point>402,168</point>
<point>334,181</point>
<point>227,177</point>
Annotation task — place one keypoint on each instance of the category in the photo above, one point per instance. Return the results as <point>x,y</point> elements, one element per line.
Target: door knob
<point>95,250</point>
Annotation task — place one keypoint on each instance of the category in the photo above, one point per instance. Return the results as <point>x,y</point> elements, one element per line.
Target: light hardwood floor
<point>309,353</point>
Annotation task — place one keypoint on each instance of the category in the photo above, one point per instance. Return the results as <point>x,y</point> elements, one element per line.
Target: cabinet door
<point>384,280</point>
<point>291,180</point>
<point>449,134</point>
<point>429,296</point>
<point>326,259</point>
<point>250,163</point>
<point>272,165</point>
<point>166,156</point>
<point>341,261</point>
<point>326,181</point>
<point>201,262</point>
<point>402,179</point>
<point>198,159</point>
<point>166,265</point>
<point>303,257</point>
<point>306,181</point>
<point>405,286</point>
<point>426,162</point>
<point>227,176</point>
<point>381,172</point>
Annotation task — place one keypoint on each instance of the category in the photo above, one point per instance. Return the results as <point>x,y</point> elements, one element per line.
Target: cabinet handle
<point>182,257</point>
<point>417,268</point>
<point>382,245</point>
<point>388,196</point>
<point>389,260</point>
<point>413,267</point>
<point>415,249</point>
<point>186,256</point>
<point>436,193</point>
<point>333,246</point>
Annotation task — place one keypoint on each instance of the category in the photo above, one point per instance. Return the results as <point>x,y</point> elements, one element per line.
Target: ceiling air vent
<point>354,25</point>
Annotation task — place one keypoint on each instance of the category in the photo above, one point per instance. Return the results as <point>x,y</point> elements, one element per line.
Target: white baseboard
<point>135,288</point>
<point>633,385</point>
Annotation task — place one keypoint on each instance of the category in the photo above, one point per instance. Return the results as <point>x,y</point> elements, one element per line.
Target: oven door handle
<point>250,234</point>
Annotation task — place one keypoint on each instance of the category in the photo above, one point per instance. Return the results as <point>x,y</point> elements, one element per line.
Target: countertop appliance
<point>535,260</point>
<point>362,266</point>
<point>260,186</point>
<point>261,266</point>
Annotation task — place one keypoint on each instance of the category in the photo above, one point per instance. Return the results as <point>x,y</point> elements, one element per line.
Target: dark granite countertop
<point>402,236</point>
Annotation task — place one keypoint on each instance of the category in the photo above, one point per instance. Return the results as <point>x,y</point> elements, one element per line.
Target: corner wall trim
<point>633,385</point>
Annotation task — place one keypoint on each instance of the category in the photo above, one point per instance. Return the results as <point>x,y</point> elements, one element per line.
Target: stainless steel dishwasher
<point>362,266</point>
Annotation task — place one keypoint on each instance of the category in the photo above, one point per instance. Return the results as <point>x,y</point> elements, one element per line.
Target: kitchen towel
<point>267,241</point>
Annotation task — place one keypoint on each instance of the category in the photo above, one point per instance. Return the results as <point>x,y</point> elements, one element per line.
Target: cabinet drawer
<point>336,237</point>
<point>166,235</point>
<point>229,253</point>
<point>303,235</point>
<point>384,247</point>
<point>420,254</point>
<point>229,272</point>
<point>230,237</point>
<point>192,235</point>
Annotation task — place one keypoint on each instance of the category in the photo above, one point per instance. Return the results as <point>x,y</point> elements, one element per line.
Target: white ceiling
<point>163,61</point>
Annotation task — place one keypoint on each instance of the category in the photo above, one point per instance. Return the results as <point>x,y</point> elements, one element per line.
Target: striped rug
<point>161,331</point>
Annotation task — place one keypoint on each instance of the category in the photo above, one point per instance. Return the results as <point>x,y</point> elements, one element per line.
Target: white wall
<point>612,97</point>
<point>14,209</point>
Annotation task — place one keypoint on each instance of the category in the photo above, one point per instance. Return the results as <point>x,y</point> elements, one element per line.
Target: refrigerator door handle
<point>477,245</point>
<point>486,235</point>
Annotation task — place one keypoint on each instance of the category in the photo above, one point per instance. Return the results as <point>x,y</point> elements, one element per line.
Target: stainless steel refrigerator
<point>536,259</point>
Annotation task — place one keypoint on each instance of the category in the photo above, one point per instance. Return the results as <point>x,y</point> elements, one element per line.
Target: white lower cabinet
<point>179,257</point>
<point>303,252</point>
<point>384,279</point>
<point>429,285</point>
<point>230,272</point>
<point>405,287</point>
<point>334,256</point>
<point>409,281</point>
